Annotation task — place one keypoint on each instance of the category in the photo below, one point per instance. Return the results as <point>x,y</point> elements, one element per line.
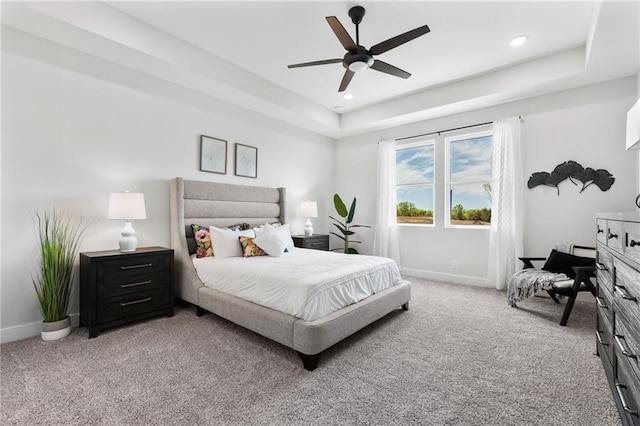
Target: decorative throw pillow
<point>270,243</point>
<point>204,248</point>
<point>249,248</point>
<point>561,263</point>
<point>282,232</point>
<point>226,241</point>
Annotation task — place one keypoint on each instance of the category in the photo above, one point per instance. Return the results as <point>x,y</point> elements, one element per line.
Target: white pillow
<point>283,233</point>
<point>270,243</point>
<point>226,242</point>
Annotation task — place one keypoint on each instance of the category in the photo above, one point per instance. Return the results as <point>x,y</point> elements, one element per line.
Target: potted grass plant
<point>59,235</point>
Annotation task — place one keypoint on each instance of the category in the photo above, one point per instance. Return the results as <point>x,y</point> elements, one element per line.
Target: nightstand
<point>118,288</point>
<point>316,241</point>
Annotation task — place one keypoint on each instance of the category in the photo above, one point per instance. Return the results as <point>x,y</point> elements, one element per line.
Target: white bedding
<point>307,284</point>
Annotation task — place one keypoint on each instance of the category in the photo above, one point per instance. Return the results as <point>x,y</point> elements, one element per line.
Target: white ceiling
<point>237,52</point>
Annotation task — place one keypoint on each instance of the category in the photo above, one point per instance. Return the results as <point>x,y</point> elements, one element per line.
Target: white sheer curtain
<point>385,240</point>
<point>506,235</point>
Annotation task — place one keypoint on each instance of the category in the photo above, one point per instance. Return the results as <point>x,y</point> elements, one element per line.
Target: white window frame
<point>416,144</point>
<point>447,177</point>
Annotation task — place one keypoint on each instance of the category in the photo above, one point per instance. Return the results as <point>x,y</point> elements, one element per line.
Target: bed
<point>221,205</point>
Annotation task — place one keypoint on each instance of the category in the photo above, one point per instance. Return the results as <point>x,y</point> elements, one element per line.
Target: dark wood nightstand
<point>316,241</point>
<point>118,288</point>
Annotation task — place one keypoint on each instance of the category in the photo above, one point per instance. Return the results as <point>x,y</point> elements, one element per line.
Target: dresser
<point>618,307</point>
<point>118,288</point>
<point>315,241</point>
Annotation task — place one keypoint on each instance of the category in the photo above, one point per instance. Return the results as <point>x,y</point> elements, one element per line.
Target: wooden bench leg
<point>405,307</point>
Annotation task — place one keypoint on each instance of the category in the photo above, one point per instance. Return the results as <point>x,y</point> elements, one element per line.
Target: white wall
<point>586,125</point>
<point>68,140</point>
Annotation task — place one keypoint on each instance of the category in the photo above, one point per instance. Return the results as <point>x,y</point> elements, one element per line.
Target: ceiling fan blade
<point>398,40</point>
<point>341,33</point>
<point>310,64</point>
<point>389,69</point>
<point>348,75</point>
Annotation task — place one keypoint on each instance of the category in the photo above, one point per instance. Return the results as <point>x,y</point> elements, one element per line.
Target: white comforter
<point>307,284</point>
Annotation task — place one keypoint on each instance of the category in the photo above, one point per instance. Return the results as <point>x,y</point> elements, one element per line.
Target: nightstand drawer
<point>124,285</point>
<point>315,242</point>
<point>135,303</point>
<point>127,266</point>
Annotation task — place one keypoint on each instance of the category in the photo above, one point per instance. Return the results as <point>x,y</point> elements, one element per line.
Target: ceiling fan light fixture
<point>358,66</point>
<point>519,41</point>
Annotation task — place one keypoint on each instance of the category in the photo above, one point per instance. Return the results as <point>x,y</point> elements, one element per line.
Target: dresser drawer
<point>626,299</point>
<point>601,229</point>
<point>316,242</point>
<point>604,270</point>
<point>627,342</point>
<point>604,337</point>
<point>123,285</point>
<point>615,235</point>
<point>632,241</point>
<point>135,303</point>
<point>128,265</point>
<point>627,387</point>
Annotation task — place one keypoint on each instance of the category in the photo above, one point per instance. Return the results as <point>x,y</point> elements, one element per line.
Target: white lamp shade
<point>633,126</point>
<point>126,205</point>
<point>309,209</point>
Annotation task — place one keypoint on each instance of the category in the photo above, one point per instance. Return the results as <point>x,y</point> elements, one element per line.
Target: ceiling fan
<point>358,58</point>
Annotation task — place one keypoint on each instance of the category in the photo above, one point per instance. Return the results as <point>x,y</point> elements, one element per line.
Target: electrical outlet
<point>454,264</point>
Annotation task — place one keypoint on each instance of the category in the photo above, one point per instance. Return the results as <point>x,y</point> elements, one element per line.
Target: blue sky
<point>470,161</point>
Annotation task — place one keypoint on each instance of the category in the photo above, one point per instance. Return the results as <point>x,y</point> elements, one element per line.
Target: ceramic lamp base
<point>308,228</point>
<point>128,242</point>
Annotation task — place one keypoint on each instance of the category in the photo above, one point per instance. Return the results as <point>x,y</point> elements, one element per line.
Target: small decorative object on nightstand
<point>117,288</point>
<point>316,242</point>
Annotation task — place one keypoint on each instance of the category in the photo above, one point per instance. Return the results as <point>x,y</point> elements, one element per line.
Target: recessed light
<point>519,41</point>
<point>348,96</point>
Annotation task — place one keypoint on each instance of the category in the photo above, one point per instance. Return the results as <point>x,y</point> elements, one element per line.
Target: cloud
<point>415,165</point>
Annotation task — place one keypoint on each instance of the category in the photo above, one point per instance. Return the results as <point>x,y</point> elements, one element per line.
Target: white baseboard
<point>32,329</point>
<point>441,276</point>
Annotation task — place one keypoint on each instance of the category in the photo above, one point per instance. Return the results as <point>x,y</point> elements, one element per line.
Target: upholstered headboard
<point>214,204</point>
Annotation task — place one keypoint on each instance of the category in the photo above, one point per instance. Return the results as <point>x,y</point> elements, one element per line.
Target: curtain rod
<point>448,130</point>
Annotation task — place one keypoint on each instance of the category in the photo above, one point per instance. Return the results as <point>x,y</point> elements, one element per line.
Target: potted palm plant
<point>345,225</point>
<point>59,235</point>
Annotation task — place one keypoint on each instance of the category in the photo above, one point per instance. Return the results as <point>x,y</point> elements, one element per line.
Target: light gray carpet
<point>459,356</point>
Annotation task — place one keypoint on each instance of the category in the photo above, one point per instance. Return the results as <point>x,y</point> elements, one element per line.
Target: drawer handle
<point>600,302</point>
<point>612,235</point>
<point>601,266</point>
<point>622,345</point>
<point>633,243</point>
<point>624,293</point>
<point>148,299</point>
<point>317,244</point>
<point>599,230</point>
<point>144,265</point>
<point>135,284</point>
<point>623,400</point>
<point>599,337</point>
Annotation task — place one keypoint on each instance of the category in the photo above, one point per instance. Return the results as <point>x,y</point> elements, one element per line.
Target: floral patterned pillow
<point>249,248</point>
<point>204,246</point>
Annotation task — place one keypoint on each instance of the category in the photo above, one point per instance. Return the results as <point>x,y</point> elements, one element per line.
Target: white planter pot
<point>56,330</point>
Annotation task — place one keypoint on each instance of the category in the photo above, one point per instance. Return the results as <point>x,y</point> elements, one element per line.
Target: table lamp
<point>128,206</point>
<point>309,209</point>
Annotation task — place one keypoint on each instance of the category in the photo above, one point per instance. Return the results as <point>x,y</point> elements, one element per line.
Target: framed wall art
<point>246,161</point>
<point>213,155</point>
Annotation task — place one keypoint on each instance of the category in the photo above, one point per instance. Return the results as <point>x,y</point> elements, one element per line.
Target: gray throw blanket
<point>526,282</point>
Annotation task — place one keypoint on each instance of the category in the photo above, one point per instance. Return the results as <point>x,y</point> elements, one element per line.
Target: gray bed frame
<point>220,204</point>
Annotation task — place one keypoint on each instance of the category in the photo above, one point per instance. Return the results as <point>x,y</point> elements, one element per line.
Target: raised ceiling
<point>236,53</point>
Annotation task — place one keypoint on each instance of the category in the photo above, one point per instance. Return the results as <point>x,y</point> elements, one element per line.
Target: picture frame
<point>213,155</point>
<point>246,164</point>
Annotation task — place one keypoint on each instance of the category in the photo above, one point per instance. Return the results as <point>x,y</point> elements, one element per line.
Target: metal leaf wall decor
<point>574,172</point>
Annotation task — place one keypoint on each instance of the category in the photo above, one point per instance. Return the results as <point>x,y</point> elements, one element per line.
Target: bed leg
<point>199,311</point>
<point>310,362</point>
<point>405,307</point>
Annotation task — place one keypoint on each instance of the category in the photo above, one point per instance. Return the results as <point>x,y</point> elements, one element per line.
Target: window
<point>414,183</point>
<point>468,180</point>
